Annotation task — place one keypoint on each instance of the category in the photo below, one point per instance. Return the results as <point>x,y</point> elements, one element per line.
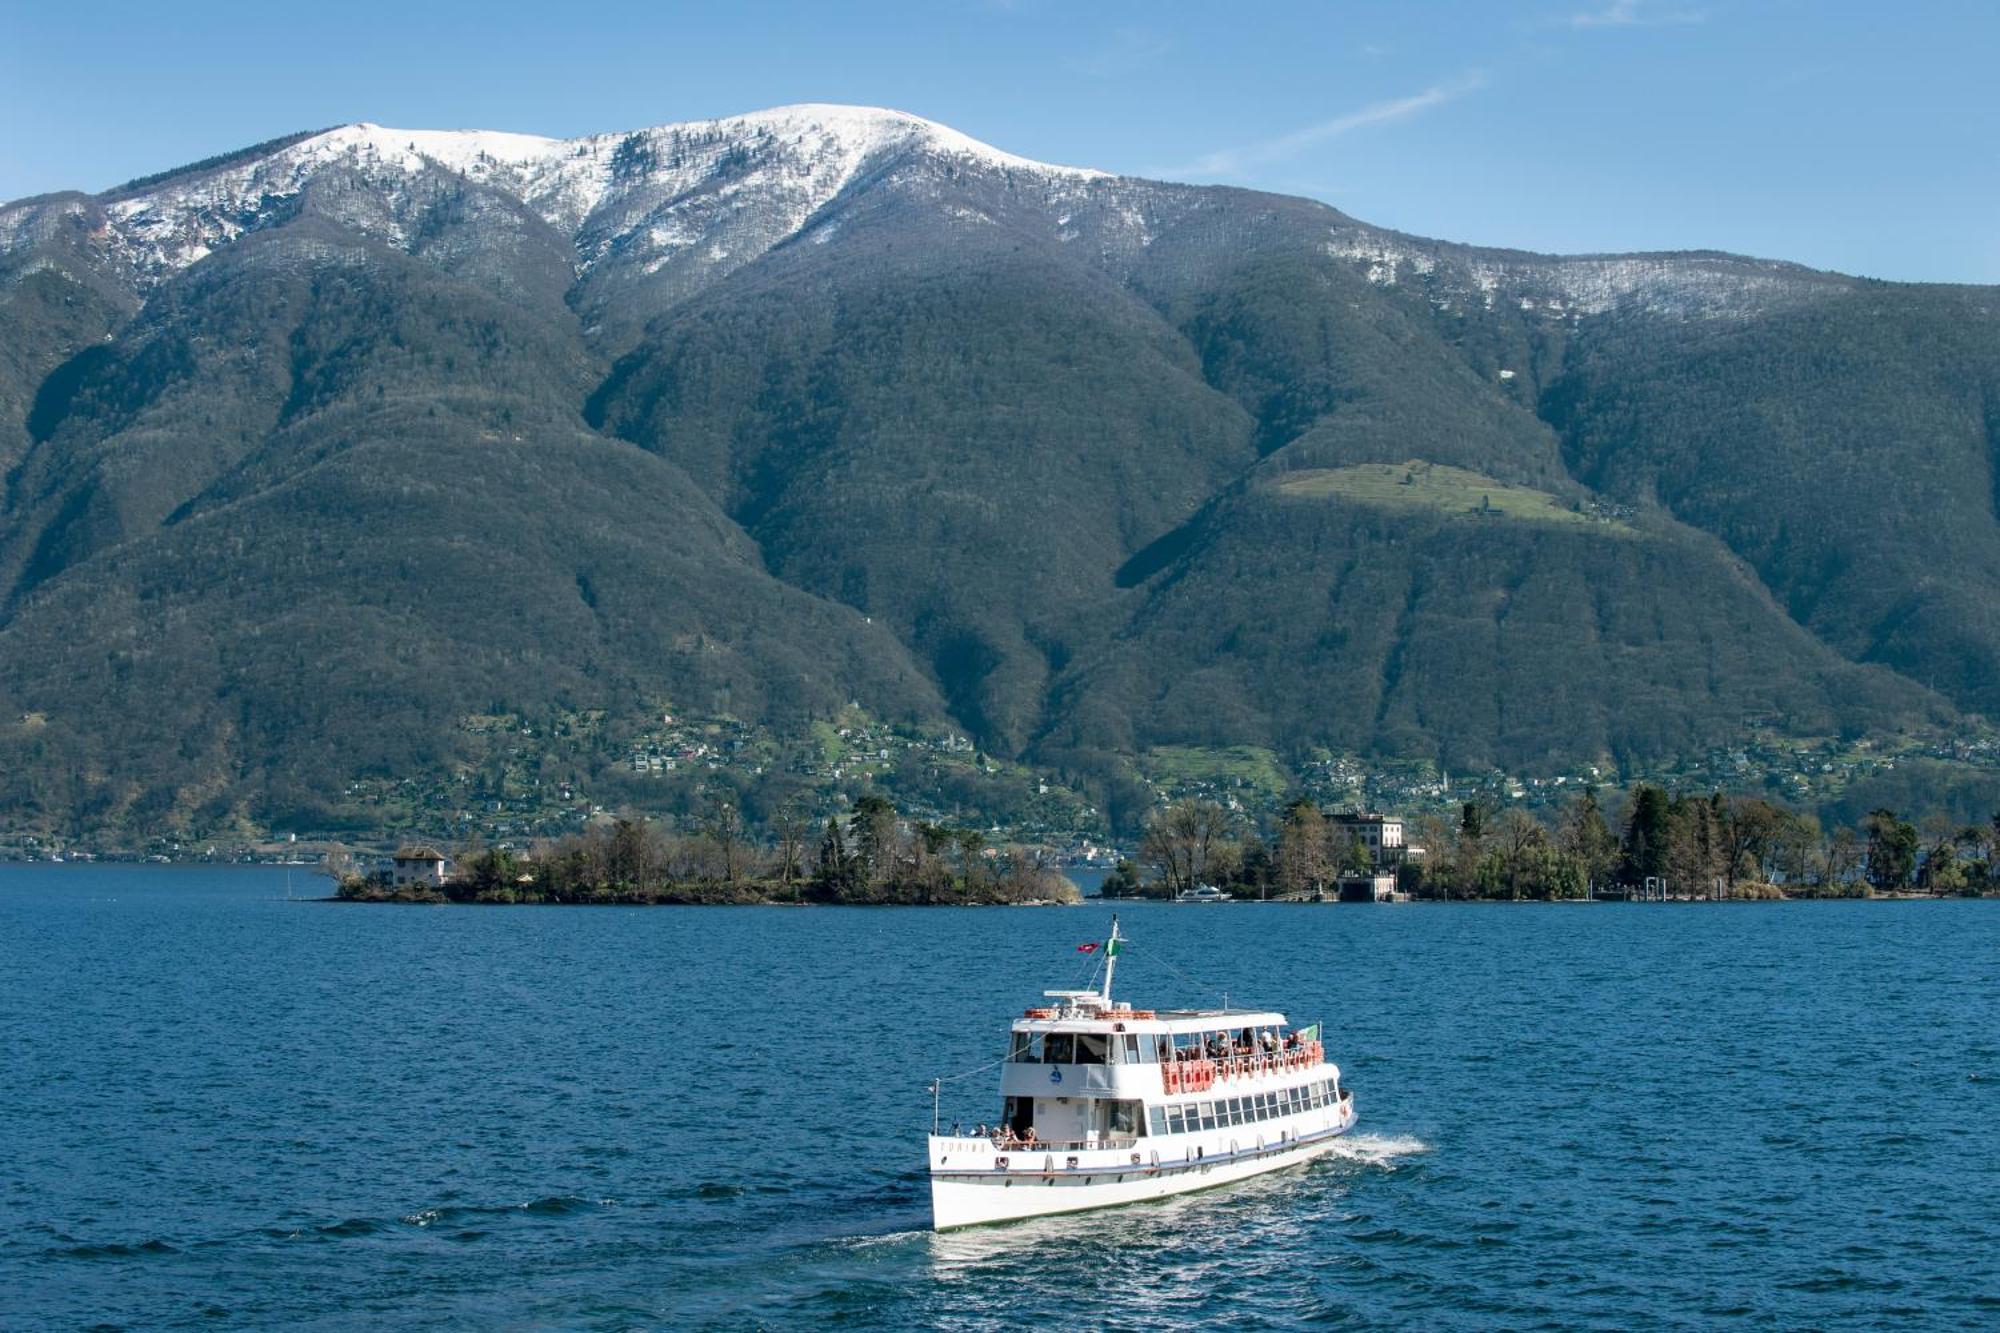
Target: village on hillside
<point>526,781</point>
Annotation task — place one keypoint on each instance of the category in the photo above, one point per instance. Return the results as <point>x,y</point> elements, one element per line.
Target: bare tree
<point>634,856</point>
<point>336,863</point>
<point>1838,858</point>
<point>1940,855</point>
<point>1181,842</point>
<point>790,828</point>
<point>1302,850</point>
<point>1519,833</point>
<point>1745,829</point>
<point>1434,835</point>
<point>724,824</point>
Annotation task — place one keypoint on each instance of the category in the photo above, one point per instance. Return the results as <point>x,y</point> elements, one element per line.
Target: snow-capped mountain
<point>717,190</point>
<point>677,206</point>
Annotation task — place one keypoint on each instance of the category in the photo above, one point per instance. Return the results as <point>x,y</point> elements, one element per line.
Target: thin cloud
<point>1129,50</point>
<point>1236,161</point>
<point>1633,14</point>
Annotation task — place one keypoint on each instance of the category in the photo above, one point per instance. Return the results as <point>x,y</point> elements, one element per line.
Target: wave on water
<point>115,1250</point>
<point>553,1205</point>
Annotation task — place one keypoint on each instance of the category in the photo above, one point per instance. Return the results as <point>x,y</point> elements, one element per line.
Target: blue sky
<point>1860,137</point>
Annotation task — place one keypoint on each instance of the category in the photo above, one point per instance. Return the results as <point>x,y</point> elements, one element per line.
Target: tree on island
<point>837,873</point>
<point>1522,839</point>
<point>1302,851</point>
<point>1587,839</point>
<point>1892,851</point>
<point>1181,844</point>
<point>1646,836</point>
<point>789,829</point>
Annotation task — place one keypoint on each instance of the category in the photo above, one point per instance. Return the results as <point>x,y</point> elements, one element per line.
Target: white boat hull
<point>972,1198</point>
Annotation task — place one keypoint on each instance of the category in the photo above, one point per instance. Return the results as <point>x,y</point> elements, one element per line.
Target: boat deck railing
<point>1203,1073</point>
<point>1008,1143</point>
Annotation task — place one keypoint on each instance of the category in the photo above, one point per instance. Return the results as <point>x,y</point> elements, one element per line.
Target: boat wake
<point>1383,1150</point>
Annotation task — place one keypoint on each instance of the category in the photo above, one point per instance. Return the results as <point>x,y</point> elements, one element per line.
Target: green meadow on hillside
<point>1454,490</point>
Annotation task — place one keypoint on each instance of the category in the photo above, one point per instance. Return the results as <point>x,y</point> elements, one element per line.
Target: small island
<point>871,858</point>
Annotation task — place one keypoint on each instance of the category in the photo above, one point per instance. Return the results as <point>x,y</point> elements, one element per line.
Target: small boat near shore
<point>1202,893</point>
<point>1104,1104</point>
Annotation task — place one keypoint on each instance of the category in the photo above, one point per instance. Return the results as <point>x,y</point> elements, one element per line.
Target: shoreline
<point>439,900</point>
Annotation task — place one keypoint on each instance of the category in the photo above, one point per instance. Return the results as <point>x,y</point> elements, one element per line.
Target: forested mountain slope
<point>314,448</point>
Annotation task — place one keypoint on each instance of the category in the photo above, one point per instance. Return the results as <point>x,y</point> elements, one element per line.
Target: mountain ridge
<point>989,443</point>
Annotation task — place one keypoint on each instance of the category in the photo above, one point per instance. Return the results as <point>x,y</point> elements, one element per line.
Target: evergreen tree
<point>833,876</point>
<point>1892,851</point>
<point>874,838</point>
<point>1647,831</point>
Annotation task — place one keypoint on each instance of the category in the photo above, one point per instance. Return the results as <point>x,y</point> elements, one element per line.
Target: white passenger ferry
<point>1106,1104</point>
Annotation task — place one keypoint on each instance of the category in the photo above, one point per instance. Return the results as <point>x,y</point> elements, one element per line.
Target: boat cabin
<point>1085,1072</point>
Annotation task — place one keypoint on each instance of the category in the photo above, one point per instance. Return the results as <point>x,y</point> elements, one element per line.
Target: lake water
<point>225,1109</point>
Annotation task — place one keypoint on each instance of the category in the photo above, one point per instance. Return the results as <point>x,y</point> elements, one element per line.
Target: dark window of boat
<point>1093,1048</point>
<point>1125,1118</point>
<point>1208,1115</point>
<point>1027,1048</point>
<point>1176,1120</point>
<point>1059,1049</point>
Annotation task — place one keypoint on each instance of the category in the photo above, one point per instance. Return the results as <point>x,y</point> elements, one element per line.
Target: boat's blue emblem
<point>1055,1076</point>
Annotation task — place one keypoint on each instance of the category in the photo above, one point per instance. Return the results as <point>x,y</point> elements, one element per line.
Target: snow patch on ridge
<point>1685,286</point>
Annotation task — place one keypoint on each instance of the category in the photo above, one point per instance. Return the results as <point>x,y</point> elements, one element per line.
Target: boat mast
<point>1110,959</point>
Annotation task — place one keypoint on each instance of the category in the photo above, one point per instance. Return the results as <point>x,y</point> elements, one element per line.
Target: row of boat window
<point>1127,1048</point>
<point>1223,1112</point>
